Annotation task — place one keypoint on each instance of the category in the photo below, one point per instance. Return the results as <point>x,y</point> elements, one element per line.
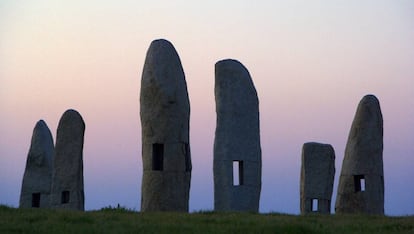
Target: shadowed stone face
<point>361,185</point>
<point>237,152</point>
<point>37,177</point>
<point>67,185</point>
<point>317,178</point>
<point>165,115</point>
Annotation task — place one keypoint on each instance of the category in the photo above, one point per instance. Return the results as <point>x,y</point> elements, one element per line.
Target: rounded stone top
<point>162,51</point>
<point>368,110</point>
<point>370,99</point>
<point>71,116</point>
<point>231,65</point>
<point>161,43</point>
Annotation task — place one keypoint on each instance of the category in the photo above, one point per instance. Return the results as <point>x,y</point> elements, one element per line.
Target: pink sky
<point>311,62</point>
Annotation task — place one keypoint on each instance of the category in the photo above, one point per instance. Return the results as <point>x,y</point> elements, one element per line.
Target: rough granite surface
<point>317,177</point>
<point>363,158</point>
<point>237,138</point>
<point>67,180</point>
<point>165,116</point>
<point>37,177</point>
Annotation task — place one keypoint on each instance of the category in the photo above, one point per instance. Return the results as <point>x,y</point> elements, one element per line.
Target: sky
<point>311,63</point>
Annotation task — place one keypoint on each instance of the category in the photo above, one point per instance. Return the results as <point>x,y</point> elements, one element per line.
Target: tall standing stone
<point>165,116</point>
<point>237,152</point>
<point>67,180</point>
<point>361,185</point>
<point>317,178</point>
<point>37,177</point>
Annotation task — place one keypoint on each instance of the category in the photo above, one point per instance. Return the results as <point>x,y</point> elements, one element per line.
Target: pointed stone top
<point>41,144</point>
<point>41,124</point>
<point>42,129</point>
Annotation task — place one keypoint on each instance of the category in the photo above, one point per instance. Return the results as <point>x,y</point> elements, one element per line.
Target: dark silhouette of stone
<point>361,184</point>
<point>67,180</point>
<point>317,178</point>
<point>165,115</point>
<point>237,140</point>
<point>37,177</point>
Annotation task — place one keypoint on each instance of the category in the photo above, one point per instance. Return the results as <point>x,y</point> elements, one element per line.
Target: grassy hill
<point>14,220</point>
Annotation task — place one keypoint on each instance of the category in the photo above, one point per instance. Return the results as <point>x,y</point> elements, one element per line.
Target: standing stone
<point>237,152</point>
<point>165,116</point>
<point>37,177</point>
<point>317,178</point>
<point>361,185</point>
<point>67,181</point>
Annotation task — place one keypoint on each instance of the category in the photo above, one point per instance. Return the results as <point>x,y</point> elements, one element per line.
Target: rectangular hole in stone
<point>314,205</point>
<point>35,199</point>
<point>157,157</point>
<point>359,181</point>
<point>237,173</point>
<point>362,182</point>
<point>65,197</point>
<point>187,157</point>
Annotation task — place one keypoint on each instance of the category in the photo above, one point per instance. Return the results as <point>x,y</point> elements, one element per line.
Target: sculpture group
<point>54,174</point>
<point>53,177</point>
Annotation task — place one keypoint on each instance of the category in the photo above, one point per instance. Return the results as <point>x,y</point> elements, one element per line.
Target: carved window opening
<point>314,205</point>
<point>237,173</point>
<point>65,197</point>
<point>157,157</point>
<point>187,156</point>
<point>359,181</point>
<point>36,200</point>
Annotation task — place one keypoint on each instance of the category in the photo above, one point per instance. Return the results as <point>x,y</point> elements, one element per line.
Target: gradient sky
<point>311,62</point>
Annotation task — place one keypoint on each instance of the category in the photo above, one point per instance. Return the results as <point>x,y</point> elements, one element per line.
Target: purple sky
<point>311,62</point>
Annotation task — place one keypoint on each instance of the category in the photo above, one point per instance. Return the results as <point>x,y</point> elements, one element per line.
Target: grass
<point>120,220</point>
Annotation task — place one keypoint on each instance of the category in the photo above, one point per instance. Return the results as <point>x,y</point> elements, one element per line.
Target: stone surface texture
<point>165,116</point>
<point>37,177</point>
<point>67,181</point>
<point>237,138</point>
<point>363,159</point>
<point>317,177</point>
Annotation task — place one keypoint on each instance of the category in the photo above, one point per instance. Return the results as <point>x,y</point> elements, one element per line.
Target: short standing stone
<point>361,184</point>
<point>237,152</point>
<point>165,116</point>
<point>38,173</point>
<point>67,181</point>
<point>317,178</point>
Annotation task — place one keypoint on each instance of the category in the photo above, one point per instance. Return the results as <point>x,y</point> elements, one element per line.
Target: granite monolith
<point>165,115</point>
<point>67,179</point>
<point>361,184</point>
<point>317,178</point>
<point>37,177</point>
<point>237,153</point>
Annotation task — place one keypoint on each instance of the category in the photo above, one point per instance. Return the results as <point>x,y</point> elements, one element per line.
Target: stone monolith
<point>237,153</point>
<point>317,178</point>
<point>165,115</point>
<point>361,184</point>
<point>37,177</point>
<point>67,179</point>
